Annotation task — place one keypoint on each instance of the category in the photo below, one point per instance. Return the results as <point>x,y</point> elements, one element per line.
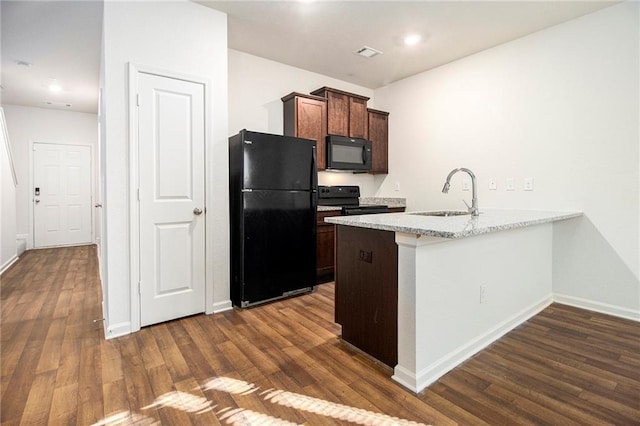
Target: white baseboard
<point>117,330</point>
<point>22,242</point>
<point>222,306</point>
<point>433,372</point>
<point>603,308</point>
<point>8,263</point>
<point>406,378</point>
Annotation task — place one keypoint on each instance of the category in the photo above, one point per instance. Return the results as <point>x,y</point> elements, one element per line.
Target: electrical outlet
<point>466,184</point>
<point>397,188</point>
<point>527,184</point>
<point>483,293</point>
<point>511,184</point>
<point>493,185</point>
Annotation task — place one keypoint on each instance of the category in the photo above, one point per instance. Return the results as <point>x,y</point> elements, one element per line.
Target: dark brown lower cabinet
<point>367,291</point>
<point>325,247</point>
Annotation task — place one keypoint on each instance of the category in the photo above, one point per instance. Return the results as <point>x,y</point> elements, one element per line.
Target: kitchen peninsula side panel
<point>366,300</point>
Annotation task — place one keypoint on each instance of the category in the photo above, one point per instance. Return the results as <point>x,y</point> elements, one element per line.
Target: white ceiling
<point>62,39</point>
<point>322,36</point>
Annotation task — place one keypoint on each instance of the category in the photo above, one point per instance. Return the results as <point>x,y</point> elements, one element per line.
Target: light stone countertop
<point>328,208</point>
<point>386,201</point>
<point>391,202</point>
<point>453,226</point>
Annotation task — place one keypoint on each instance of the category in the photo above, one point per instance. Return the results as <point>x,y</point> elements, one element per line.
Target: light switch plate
<point>511,184</point>
<point>527,184</point>
<point>493,185</point>
<point>466,184</point>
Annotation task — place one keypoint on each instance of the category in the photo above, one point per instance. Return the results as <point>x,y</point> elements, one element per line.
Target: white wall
<point>8,228</point>
<point>180,37</point>
<point>28,125</point>
<point>256,86</point>
<point>561,106</point>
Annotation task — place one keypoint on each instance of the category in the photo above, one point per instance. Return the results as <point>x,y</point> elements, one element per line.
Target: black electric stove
<point>347,197</point>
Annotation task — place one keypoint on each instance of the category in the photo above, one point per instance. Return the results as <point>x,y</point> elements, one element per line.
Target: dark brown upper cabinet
<point>305,116</point>
<point>378,134</point>
<point>346,112</point>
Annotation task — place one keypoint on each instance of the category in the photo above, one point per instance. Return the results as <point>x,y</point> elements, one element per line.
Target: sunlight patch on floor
<point>242,417</point>
<point>227,384</point>
<point>190,403</point>
<point>182,401</point>
<point>127,418</point>
<point>332,409</point>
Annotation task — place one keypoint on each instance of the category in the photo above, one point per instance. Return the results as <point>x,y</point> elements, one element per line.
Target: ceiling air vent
<point>367,52</point>
<point>58,104</point>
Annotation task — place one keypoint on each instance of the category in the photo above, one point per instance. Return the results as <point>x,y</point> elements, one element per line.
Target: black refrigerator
<point>273,192</point>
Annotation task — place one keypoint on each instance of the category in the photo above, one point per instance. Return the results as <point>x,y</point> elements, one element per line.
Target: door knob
<point>37,201</point>
<point>197,211</point>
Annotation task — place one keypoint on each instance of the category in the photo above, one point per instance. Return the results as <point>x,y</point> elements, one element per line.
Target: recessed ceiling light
<point>412,39</point>
<point>367,52</point>
<point>54,86</point>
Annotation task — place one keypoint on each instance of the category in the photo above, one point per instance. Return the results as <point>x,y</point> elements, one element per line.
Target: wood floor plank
<point>38,404</point>
<point>64,405</point>
<point>564,366</point>
<point>115,397</point>
<point>171,354</point>
<point>50,357</point>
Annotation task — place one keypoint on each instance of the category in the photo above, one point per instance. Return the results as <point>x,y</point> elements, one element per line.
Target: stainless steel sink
<point>442,213</point>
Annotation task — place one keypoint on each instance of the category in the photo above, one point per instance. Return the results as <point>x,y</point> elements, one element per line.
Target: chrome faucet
<point>474,190</point>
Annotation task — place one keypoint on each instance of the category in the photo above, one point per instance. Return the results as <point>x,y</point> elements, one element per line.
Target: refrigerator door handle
<point>314,179</point>
<point>314,169</point>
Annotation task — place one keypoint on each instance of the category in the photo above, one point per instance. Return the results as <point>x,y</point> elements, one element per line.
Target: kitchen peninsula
<point>461,283</point>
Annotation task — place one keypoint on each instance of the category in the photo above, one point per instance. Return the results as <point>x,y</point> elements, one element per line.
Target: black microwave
<point>348,154</point>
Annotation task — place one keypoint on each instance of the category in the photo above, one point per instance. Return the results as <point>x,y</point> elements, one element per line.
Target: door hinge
<point>139,291</point>
<point>138,194</point>
<point>137,99</point>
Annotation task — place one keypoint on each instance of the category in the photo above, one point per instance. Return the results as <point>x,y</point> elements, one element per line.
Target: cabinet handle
<point>197,211</point>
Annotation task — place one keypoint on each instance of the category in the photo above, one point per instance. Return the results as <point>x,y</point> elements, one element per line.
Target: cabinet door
<point>325,247</point>
<point>305,116</point>
<point>337,114</point>
<point>378,127</point>
<point>357,118</point>
<point>311,124</point>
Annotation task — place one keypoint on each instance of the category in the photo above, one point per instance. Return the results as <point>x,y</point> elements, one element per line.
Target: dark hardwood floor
<point>283,363</point>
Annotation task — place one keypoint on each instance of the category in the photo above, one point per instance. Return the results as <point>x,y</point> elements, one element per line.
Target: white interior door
<point>171,168</point>
<point>61,195</point>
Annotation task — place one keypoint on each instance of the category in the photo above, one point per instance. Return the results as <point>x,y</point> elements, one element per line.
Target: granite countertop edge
<point>454,227</point>
<point>364,201</point>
